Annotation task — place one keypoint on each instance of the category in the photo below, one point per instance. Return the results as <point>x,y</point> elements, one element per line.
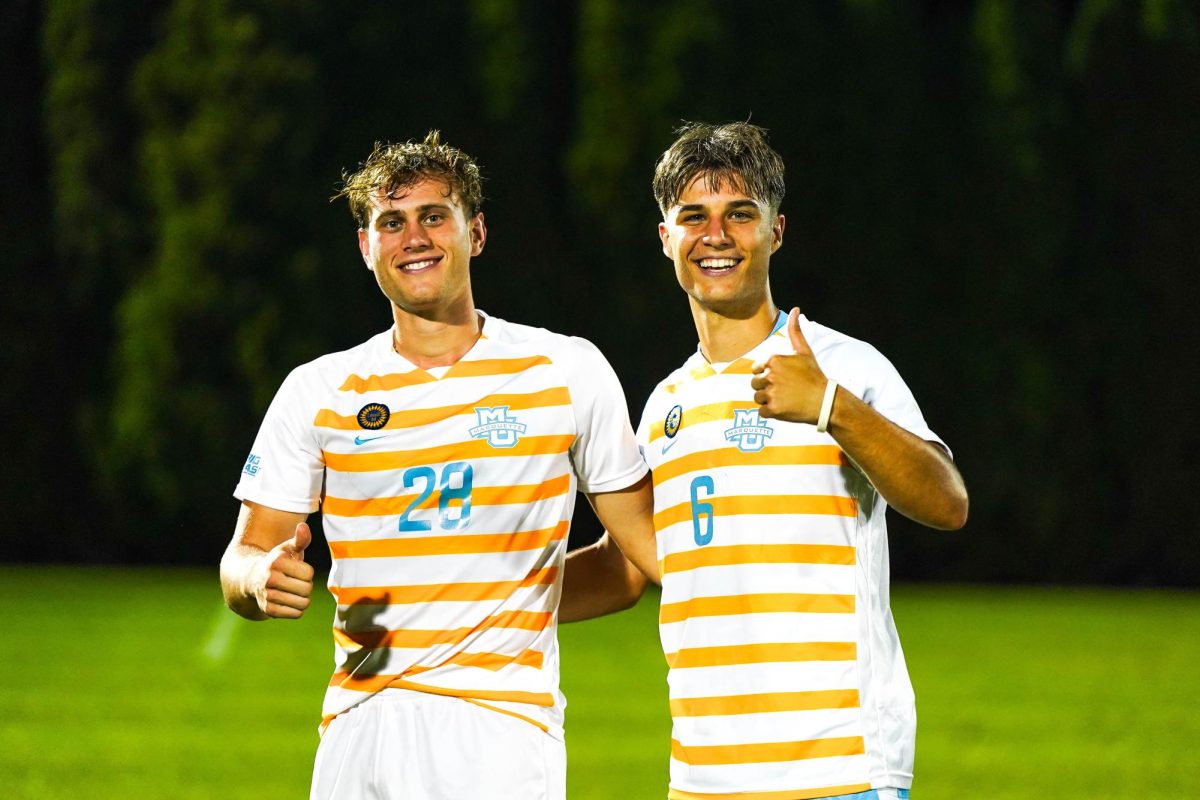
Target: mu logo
<point>749,432</point>
<point>500,428</point>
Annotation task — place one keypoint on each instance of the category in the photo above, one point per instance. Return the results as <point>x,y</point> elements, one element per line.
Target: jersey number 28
<point>454,485</point>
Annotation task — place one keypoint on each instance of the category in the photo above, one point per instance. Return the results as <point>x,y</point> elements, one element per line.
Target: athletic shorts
<point>405,745</point>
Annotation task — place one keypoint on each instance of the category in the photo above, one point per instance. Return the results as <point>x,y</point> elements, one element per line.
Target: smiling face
<point>721,240</point>
<point>419,242</point>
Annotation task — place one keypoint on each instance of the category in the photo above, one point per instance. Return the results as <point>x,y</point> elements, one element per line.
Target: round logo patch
<point>373,416</point>
<point>672,422</point>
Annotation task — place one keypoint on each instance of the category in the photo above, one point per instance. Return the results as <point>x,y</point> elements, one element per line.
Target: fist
<point>285,583</point>
<point>790,387</point>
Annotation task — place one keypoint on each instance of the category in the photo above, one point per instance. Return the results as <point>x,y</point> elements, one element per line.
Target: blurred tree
<point>1001,195</point>
<point>36,359</point>
<point>201,319</point>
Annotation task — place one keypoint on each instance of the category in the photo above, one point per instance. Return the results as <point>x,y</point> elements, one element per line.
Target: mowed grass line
<point>136,683</point>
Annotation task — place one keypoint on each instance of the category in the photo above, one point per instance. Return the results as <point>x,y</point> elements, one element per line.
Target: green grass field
<point>137,683</point>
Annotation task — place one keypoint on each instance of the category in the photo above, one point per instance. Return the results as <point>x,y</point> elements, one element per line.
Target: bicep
<point>265,527</point>
<point>632,506</point>
<point>628,516</point>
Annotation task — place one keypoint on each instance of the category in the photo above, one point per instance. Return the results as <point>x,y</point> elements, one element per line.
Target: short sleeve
<point>605,455</point>
<point>286,467</point>
<point>642,435</point>
<point>881,387</point>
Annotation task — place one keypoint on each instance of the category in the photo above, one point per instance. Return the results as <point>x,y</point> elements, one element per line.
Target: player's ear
<point>364,247</point>
<point>665,236</point>
<point>478,231</point>
<point>777,232</point>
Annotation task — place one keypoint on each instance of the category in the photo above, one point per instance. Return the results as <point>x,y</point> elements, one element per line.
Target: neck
<point>724,338</point>
<point>439,339</point>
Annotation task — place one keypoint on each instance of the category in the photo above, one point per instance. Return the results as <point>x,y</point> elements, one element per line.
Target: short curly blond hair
<point>397,167</point>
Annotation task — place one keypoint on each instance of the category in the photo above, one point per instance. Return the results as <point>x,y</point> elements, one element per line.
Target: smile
<point>418,266</point>
<point>718,265</point>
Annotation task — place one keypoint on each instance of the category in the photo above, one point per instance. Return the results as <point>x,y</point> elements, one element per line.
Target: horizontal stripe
<point>385,383</point>
<point>449,545</point>
<point>737,554</point>
<point>462,369</point>
<point>420,639</point>
<point>833,505</point>
<point>376,683</point>
<point>765,653</point>
<point>440,592</point>
<point>698,415</point>
<point>756,604</point>
<point>791,794</point>
<point>494,366</point>
<point>416,417</point>
<point>521,494</point>
<point>505,711</point>
<point>489,661</point>
<point>766,752</point>
<point>763,703</point>
<point>460,451</point>
<point>742,366</point>
<point>799,456</point>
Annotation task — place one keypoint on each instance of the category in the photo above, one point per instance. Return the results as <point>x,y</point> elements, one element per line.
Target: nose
<point>714,232</point>
<point>416,238</point>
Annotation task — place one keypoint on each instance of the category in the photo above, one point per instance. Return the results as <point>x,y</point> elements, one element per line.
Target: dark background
<point>1004,197</point>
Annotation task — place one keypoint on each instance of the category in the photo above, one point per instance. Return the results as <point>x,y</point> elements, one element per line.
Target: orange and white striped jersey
<point>786,676</point>
<point>446,503</point>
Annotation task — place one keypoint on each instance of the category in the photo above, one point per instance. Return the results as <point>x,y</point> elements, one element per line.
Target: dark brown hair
<point>736,152</point>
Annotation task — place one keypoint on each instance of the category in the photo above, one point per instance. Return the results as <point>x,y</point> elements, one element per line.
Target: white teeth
<point>420,264</point>
<point>718,263</point>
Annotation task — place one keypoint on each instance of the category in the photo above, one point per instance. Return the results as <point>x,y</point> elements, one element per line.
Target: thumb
<point>799,343</point>
<point>300,541</point>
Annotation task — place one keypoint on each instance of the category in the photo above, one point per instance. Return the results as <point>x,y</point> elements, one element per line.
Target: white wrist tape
<point>826,406</point>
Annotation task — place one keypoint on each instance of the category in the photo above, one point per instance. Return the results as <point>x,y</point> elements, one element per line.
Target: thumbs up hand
<point>790,387</point>
<point>285,582</point>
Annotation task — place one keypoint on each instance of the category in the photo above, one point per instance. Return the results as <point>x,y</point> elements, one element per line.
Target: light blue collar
<point>780,321</point>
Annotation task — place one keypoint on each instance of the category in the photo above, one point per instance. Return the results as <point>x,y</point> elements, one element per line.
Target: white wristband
<point>826,407</point>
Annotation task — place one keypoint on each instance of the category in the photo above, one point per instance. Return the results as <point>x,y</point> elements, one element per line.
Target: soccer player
<point>776,449</point>
<point>444,454</point>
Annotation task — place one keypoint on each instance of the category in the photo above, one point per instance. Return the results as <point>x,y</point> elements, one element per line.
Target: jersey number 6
<point>456,472</point>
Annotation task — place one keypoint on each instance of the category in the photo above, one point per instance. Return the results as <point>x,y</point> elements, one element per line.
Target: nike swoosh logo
<point>361,440</point>
<point>668,446</point>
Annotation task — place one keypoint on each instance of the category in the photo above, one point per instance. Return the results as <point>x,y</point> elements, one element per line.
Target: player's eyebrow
<point>420,210</point>
<point>730,205</point>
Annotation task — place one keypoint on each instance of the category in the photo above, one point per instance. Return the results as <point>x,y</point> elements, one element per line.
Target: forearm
<point>598,580</point>
<point>915,477</point>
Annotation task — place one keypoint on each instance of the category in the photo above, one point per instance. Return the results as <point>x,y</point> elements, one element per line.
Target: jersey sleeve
<point>886,392</point>
<point>605,455</point>
<point>642,434</point>
<point>286,467</point>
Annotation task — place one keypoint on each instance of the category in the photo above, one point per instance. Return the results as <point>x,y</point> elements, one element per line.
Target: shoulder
<point>855,364</point>
<point>834,349</point>
<point>665,391</point>
<point>540,341</point>
<point>334,368</point>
